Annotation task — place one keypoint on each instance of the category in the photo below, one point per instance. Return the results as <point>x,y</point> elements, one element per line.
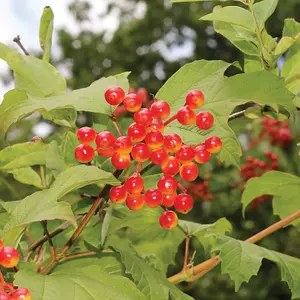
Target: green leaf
<point>144,225</point>
<point>70,142</point>
<point>232,15</point>
<point>291,28</point>
<point>89,283</point>
<point>222,95</point>
<point>44,206</point>
<point>23,155</point>
<point>174,1</point>
<point>27,176</point>
<point>46,30</point>
<point>242,260</point>
<point>284,44</point>
<point>253,63</point>
<point>35,76</point>
<point>253,112</point>
<point>286,188</point>
<point>153,284</point>
<point>263,10</point>
<point>105,225</point>
<point>62,116</point>
<point>17,105</point>
<point>150,181</point>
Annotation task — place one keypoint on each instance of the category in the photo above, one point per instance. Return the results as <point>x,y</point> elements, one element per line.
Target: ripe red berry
<point>202,156</point>
<point>213,144</point>
<point>120,161</point>
<point>194,99</point>
<point>137,132</point>
<point>105,139</point>
<point>171,166</point>
<point>143,94</point>
<point>153,198</point>
<point>21,294</point>
<point>140,152</point>
<point>204,120</point>
<point>108,152</point>
<point>114,95</point>
<point>132,102</point>
<point>123,145</point>
<point>9,257</point>
<point>118,194</point>
<point>168,199</point>
<point>86,135</point>
<point>168,220</point>
<point>159,156</point>
<point>84,153</point>
<point>4,296</point>
<point>134,184</point>
<point>160,110</point>
<point>167,184</point>
<point>143,116</point>
<point>172,142</point>
<point>189,171</point>
<point>186,116</point>
<point>184,203</point>
<point>135,201</point>
<point>1,245</point>
<point>154,139</point>
<point>185,154</point>
<point>156,125</point>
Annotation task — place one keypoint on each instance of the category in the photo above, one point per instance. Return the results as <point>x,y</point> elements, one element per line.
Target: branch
<point>201,269</point>
<point>186,252</point>
<point>52,249</point>
<point>17,40</point>
<point>79,254</point>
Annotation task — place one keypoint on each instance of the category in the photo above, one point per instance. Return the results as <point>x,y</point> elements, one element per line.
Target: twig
<point>79,254</point>
<point>236,115</point>
<point>118,128</point>
<point>29,237</point>
<point>186,252</point>
<point>17,40</point>
<point>201,269</point>
<point>182,188</point>
<point>52,249</point>
<point>170,120</point>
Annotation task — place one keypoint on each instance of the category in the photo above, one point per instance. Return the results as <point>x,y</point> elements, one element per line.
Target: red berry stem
<point>138,168</point>
<point>171,119</point>
<point>1,281</point>
<point>182,188</point>
<point>256,141</point>
<point>116,124</point>
<point>150,103</point>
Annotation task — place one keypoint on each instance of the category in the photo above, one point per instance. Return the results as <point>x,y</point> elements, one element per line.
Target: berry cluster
<point>201,190</point>
<point>145,141</point>
<point>278,131</point>
<point>255,168</point>
<point>9,258</point>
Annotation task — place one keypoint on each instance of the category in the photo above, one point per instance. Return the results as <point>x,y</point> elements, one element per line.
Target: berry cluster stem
<point>171,119</point>
<point>186,252</point>
<point>118,128</point>
<point>203,268</point>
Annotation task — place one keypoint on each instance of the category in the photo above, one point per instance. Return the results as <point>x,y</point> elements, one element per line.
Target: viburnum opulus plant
<point>100,209</point>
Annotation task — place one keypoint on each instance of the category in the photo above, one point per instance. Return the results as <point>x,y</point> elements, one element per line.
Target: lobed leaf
<point>263,10</point>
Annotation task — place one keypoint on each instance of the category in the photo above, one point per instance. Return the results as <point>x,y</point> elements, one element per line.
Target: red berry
<point>140,152</point>
<point>84,153</point>
<point>156,125</point>
<point>185,154</point>
<point>172,142</point>
<point>184,203</point>
<point>194,99</point>
<point>131,91</point>
<point>135,201</point>
<point>21,294</point>
<point>153,198</point>
<point>4,296</point>
<point>167,184</point>
<point>105,139</point>
<point>143,94</point>
<point>1,245</point>
<point>137,132</point>
<point>204,120</point>
<point>114,96</point>
<point>159,156</point>
<point>202,156</point>
<point>189,171</point>
<point>143,116</point>
<point>168,199</point>
<point>108,152</point>
<point>132,102</point>
<point>168,219</point>
<point>213,144</point>
<point>86,135</point>
<point>154,139</point>
<point>160,110</point>
<point>123,145</point>
<point>186,116</point>
<point>171,166</point>
<point>118,194</point>
<point>134,184</point>
<point>120,161</point>
<point>9,257</point>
